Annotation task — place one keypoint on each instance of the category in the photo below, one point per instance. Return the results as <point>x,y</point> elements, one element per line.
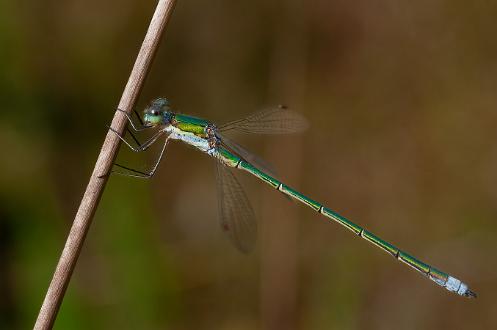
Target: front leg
<point>141,147</point>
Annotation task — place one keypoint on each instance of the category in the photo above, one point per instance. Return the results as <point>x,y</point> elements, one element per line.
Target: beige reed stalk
<point>98,179</point>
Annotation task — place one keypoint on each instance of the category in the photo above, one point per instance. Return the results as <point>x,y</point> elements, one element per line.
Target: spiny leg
<point>138,116</point>
<point>142,174</point>
<point>141,147</point>
<point>133,136</point>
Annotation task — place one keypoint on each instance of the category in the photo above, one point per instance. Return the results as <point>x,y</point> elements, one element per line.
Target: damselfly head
<point>157,113</point>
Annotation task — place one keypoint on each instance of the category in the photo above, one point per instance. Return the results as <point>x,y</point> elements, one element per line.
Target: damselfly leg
<point>143,174</point>
<point>140,148</point>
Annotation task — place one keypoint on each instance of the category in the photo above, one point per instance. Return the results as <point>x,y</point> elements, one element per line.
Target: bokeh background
<point>401,97</point>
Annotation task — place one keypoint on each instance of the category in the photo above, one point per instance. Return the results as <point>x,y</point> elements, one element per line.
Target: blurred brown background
<point>401,97</point>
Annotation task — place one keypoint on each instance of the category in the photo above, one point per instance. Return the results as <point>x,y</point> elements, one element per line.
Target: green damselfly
<point>236,215</point>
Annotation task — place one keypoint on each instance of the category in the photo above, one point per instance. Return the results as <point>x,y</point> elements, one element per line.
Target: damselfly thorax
<point>199,142</point>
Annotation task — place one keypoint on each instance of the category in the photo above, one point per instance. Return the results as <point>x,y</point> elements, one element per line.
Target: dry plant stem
<point>89,203</point>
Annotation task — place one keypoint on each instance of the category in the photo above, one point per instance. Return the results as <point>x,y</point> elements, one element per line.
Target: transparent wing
<point>277,120</point>
<point>236,214</point>
<point>257,161</point>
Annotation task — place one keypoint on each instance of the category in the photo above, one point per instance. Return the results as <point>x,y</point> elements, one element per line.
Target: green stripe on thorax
<point>191,124</point>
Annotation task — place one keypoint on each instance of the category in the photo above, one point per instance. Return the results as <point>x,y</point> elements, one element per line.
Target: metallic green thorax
<point>191,124</point>
<point>441,278</point>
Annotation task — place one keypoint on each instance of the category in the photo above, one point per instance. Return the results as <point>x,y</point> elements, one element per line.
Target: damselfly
<point>236,215</point>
